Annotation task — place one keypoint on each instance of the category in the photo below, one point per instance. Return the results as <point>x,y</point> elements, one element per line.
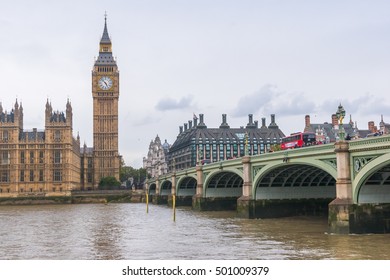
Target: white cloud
<point>270,100</point>
<point>168,104</point>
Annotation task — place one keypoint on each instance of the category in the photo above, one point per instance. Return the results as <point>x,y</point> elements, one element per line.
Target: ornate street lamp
<point>200,154</point>
<point>173,165</point>
<point>340,116</point>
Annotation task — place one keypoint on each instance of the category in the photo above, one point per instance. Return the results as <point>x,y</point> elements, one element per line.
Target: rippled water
<point>126,231</point>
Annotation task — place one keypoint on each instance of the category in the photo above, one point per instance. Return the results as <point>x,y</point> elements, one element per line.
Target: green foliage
<point>139,175</point>
<point>109,182</point>
<point>276,147</point>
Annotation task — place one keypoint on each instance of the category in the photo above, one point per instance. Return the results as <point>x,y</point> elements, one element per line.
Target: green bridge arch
<point>166,187</point>
<point>223,183</point>
<point>359,183</point>
<point>299,173</point>
<point>186,185</point>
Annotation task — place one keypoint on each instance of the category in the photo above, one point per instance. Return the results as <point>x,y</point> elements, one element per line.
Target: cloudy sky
<point>180,57</point>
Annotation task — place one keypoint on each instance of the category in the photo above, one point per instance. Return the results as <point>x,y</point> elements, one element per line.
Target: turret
<point>69,114</point>
<point>48,111</point>
<point>105,42</point>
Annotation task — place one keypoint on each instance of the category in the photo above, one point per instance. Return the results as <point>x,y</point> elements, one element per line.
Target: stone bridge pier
<point>346,214</point>
<point>341,208</point>
<point>246,204</point>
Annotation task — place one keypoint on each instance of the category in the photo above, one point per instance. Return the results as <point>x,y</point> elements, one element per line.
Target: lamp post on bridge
<point>341,208</point>
<point>200,154</point>
<point>340,116</point>
<point>246,151</point>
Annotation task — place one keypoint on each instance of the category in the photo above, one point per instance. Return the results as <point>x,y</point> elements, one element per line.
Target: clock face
<point>105,83</point>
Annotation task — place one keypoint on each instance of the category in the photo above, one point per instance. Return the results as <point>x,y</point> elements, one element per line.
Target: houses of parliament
<point>52,162</point>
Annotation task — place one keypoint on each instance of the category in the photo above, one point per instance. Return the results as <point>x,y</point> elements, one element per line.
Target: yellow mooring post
<point>174,207</point>
<point>147,202</point>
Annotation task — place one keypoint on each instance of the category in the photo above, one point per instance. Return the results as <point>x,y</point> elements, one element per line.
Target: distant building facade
<point>51,161</point>
<point>38,161</point>
<point>156,163</point>
<point>328,132</point>
<point>196,142</point>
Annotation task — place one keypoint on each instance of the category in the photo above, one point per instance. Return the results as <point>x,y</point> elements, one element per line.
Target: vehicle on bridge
<point>298,140</point>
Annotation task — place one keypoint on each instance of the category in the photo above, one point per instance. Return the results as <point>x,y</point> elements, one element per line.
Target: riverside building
<point>156,162</point>
<point>196,142</point>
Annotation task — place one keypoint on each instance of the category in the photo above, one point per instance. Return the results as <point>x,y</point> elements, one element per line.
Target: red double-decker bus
<point>298,140</point>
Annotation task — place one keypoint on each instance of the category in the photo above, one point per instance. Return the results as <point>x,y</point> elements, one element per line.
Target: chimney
<point>224,124</point>
<point>181,129</point>
<point>257,124</point>
<point>335,121</point>
<point>201,122</point>
<point>263,125</point>
<point>250,123</point>
<point>195,121</point>
<point>371,127</point>
<point>189,124</point>
<point>273,123</point>
<point>307,121</point>
<point>185,127</point>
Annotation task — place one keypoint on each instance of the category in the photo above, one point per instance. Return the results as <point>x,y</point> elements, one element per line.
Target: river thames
<point>126,231</point>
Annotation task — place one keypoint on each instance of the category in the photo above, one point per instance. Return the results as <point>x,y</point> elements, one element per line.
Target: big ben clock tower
<point>105,93</point>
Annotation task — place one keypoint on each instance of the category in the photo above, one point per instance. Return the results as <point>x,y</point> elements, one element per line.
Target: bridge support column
<point>198,200</point>
<point>246,204</point>
<point>173,189</point>
<point>340,209</point>
<point>157,198</point>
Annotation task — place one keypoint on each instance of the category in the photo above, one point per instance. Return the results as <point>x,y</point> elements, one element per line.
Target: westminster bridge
<point>349,181</point>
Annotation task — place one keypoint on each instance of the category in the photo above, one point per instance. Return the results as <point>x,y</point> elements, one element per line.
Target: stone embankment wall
<point>78,197</point>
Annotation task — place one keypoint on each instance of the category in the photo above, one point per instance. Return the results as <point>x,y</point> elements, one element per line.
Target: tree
<point>109,183</point>
<point>276,147</point>
<point>139,175</point>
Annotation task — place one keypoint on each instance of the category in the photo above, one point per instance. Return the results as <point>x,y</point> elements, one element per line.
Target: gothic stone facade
<point>38,161</point>
<point>156,163</point>
<point>105,93</point>
<point>51,162</point>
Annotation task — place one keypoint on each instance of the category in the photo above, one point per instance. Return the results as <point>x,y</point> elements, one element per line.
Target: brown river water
<point>126,231</point>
